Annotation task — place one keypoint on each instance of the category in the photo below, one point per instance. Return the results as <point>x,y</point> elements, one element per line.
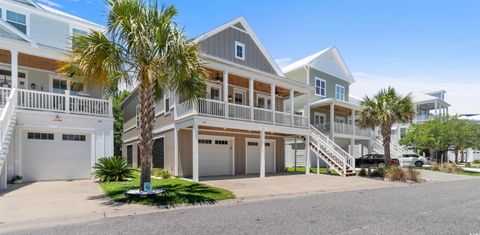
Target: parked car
<point>373,159</point>
<point>415,160</point>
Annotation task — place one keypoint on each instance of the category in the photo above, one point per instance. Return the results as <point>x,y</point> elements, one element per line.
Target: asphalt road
<point>430,208</point>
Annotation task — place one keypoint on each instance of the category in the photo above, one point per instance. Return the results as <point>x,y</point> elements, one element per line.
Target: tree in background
<point>383,110</point>
<point>143,45</point>
<point>118,121</point>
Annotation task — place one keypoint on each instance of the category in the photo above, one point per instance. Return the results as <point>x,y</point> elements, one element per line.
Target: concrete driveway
<point>287,184</point>
<point>56,202</point>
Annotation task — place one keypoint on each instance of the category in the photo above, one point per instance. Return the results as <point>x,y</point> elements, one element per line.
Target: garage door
<point>55,156</point>
<point>253,156</point>
<point>215,155</point>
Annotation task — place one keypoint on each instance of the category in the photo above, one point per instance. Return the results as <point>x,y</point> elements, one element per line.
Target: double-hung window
<point>320,87</point>
<point>17,20</point>
<point>339,92</point>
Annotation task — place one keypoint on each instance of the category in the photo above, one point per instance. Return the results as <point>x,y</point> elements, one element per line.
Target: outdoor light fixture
<point>218,78</point>
<point>57,119</point>
<point>230,98</point>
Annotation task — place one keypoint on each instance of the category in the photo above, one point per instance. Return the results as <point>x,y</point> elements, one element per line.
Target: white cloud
<point>462,96</point>
<point>282,62</point>
<point>50,3</point>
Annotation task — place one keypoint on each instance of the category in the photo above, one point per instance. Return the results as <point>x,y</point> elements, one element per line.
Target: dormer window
<point>239,50</point>
<point>17,20</point>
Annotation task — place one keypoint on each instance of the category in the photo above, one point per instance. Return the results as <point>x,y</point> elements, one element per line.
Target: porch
<point>428,110</point>
<point>235,97</point>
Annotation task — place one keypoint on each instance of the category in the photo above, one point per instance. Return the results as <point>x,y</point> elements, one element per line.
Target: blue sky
<point>410,44</point>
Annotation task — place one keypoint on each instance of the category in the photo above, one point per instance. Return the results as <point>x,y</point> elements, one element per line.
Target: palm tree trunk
<point>456,155</point>
<point>147,107</point>
<point>386,134</point>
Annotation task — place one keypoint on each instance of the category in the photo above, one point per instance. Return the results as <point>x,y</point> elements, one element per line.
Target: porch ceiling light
<point>218,78</point>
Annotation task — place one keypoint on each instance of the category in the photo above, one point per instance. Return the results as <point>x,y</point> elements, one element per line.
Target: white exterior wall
<point>49,32</point>
<point>99,130</point>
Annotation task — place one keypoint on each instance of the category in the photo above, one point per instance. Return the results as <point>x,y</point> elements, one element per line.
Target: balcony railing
<point>423,118</point>
<point>62,103</point>
<point>215,108</point>
<point>346,129</point>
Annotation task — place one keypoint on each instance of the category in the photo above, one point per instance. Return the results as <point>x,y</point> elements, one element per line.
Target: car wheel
<point>419,164</point>
<point>381,165</point>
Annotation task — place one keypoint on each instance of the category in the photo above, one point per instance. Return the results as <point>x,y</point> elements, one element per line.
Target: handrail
<point>346,159</point>
<point>7,113</point>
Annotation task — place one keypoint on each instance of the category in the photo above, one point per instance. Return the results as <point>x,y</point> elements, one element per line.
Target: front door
<point>158,159</point>
<point>319,120</point>
<point>339,124</point>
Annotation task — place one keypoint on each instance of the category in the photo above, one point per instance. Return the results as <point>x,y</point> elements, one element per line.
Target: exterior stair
<point>8,121</point>
<point>396,149</point>
<point>332,154</point>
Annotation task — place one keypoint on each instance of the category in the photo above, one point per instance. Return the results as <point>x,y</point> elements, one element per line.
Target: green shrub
<point>160,172</point>
<point>362,172</point>
<point>476,161</point>
<point>396,173</point>
<point>379,172</point>
<point>113,169</point>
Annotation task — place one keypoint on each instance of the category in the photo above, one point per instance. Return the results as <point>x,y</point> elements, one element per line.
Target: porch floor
<point>251,186</point>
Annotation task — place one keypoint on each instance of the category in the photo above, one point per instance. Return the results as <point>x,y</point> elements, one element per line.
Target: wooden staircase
<point>332,154</point>
<point>8,120</point>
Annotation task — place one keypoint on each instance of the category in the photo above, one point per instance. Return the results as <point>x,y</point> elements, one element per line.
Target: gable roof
<point>29,2</point>
<point>15,32</point>
<point>320,61</point>
<point>241,24</point>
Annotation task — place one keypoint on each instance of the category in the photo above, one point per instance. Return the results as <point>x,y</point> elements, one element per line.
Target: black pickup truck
<point>373,159</point>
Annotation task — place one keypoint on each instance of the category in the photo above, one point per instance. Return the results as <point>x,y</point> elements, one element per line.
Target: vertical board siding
<point>222,45</point>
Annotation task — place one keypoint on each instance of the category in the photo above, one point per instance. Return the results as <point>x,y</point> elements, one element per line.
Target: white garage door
<point>253,156</point>
<point>55,156</point>
<point>215,155</point>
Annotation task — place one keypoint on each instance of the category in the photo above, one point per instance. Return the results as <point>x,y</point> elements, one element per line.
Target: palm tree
<point>142,46</point>
<point>383,110</point>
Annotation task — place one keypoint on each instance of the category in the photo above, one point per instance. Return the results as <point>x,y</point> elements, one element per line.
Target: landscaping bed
<point>177,191</point>
<point>450,168</point>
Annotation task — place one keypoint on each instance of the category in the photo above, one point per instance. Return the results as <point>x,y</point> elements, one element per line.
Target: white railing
<point>346,129</point>
<point>262,115</point>
<point>184,109</point>
<point>7,114</point>
<point>334,152</point>
<point>363,132</point>
<point>300,121</point>
<point>423,118</point>
<point>213,108</point>
<point>283,118</point>
<point>4,93</point>
<point>83,105</point>
<point>38,100</point>
<point>65,103</point>
<point>236,111</point>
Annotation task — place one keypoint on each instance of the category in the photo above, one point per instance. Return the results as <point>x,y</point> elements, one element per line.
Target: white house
<point>50,130</point>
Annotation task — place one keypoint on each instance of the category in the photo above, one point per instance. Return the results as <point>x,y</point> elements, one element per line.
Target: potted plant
<point>17,179</point>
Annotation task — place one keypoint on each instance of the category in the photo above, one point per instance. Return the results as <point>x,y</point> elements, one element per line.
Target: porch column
<point>307,155</point>
<point>332,119</point>
<point>354,127</point>
<point>195,174</point>
<point>272,98</point>
<point>14,65</point>
<point>262,153</point>
<point>250,96</point>
<point>352,146</point>
<point>307,109</point>
<point>225,91</point>
<point>292,104</point>
<point>175,152</point>
<point>446,109</point>
<point>67,101</point>
<point>436,108</point>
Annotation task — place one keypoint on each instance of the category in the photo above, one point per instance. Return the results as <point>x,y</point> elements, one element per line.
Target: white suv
<point>414,160</point>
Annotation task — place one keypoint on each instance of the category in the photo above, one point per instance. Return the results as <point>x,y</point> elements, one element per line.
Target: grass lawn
<point>312,170</point>
<point>461,172</point>
<point>178,191</point>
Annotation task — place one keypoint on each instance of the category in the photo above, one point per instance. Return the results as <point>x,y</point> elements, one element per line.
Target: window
<point>252,143</point>
<point>17,20</point>
<point>239,97</point>
<point>320,87</point>
<point>68,137</point>
<point>59,85</point>
<point>129,155</point>
<point>239,50</point>
<point>204,141</point>
<point>267,144</point>
<point>167,101</point>
<point>264,102</point>
<point>77,32</point>
<point>221,142</point>
<point>40,136</point>
<point>339,92</point>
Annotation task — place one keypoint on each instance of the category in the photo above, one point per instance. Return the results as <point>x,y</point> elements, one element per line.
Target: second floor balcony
<point>245,99</point>
<point>344,129</point>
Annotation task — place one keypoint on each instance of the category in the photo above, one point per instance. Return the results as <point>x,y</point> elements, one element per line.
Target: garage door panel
<point>215,156</point>
<point>253,156</point>
<point>56,159</point>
